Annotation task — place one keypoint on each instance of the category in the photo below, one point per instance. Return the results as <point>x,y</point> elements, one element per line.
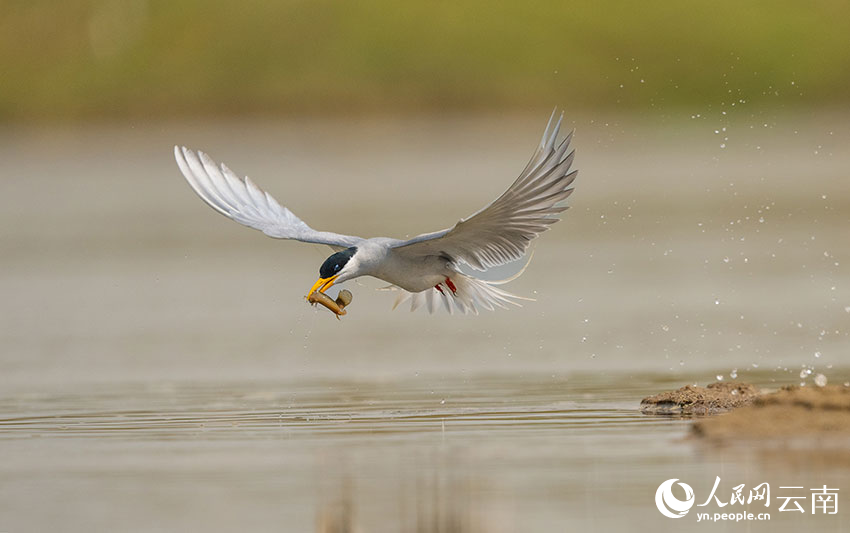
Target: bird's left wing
<point>502,231</point>
<point>241,200</point>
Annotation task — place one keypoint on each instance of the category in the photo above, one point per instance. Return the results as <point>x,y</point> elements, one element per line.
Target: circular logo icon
<point>671,506</point>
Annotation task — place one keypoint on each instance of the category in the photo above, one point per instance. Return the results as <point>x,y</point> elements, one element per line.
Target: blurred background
<point>711,142</point>
<point>158,359</point>
<point>148,58</point>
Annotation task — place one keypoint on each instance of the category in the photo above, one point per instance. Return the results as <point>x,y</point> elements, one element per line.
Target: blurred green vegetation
<point>120,58</point>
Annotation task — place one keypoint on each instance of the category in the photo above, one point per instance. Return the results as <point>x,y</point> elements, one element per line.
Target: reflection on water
<point>161,371</point>
<point>471,455</point>
<point>489,454</point>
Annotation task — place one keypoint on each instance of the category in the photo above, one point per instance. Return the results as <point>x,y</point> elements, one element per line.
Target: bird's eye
<point>336,267</point>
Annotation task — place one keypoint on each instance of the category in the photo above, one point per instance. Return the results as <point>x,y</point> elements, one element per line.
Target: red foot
<point>440,289</point>
<point>451,286</point>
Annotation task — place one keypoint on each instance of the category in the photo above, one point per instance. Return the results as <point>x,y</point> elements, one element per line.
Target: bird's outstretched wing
<point>244,202</point>
<point>502,231</point>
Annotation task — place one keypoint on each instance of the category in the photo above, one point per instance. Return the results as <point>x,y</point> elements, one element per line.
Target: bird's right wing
<point>502,231</point>
<point>247,204</point>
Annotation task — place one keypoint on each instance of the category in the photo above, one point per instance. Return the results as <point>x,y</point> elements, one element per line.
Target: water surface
<point>161,370</point>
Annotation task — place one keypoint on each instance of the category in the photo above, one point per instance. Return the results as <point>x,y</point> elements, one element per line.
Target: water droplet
<point>442,402</point>
<point>734,373</point>
<point>719,377</point>
<point>817,354</point>
<point>820,380</point>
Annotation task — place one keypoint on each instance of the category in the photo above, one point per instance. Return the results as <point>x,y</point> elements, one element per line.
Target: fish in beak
<point>323,284</point>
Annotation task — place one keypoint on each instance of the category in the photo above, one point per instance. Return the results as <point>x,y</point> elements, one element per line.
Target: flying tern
<point>425,269</point>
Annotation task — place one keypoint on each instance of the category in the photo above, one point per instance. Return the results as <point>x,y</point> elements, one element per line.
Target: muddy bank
<point>792,415</point>
<point>714,398</point>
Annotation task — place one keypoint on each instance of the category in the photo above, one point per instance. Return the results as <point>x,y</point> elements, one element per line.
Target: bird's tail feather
<point>464,294</point>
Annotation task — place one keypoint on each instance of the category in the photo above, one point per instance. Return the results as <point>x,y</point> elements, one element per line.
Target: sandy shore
<point>714,398</point>
<point>793,415</point>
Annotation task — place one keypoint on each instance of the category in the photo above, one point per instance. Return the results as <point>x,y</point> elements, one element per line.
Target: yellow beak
<point>322,285</point>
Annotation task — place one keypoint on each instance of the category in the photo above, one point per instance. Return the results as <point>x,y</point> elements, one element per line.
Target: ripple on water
<point>335,409</point>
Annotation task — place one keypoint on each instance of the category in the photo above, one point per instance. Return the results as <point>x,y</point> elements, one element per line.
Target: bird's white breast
<point>412,275</point>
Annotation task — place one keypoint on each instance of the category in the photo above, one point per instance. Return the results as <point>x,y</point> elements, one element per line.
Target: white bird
<point>426,268</point>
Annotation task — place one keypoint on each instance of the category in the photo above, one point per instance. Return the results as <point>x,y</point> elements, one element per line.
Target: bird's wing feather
<point>244,202</point>
<point>502,231</point>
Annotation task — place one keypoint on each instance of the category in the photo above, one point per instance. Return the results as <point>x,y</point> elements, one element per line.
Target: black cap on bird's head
<point>336,262</point>
<point>331,268</point>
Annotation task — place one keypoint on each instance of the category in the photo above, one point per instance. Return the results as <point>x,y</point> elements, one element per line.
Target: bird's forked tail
<point>463,293</point>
